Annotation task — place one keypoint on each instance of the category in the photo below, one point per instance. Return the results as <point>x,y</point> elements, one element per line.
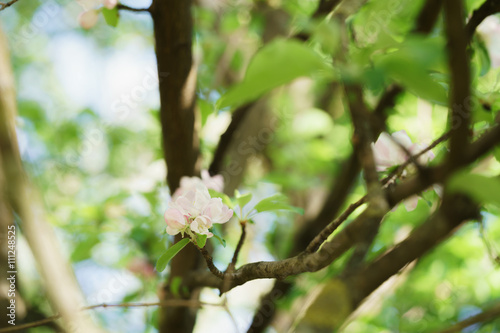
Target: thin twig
<point>329,229</point>
<point>4,5</point>
<point>240,244</point>
<point>230,268</point>
<point>492,253</point>
<point>169,303</point>
<point>233,320</point>
<point>210,262</point>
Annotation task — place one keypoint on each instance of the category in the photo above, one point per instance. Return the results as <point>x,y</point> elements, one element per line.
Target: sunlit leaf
<point>201,240</point>
<point>276,202</point>
<point>162,262</point>
<point>275,64</point>
<point>412,65</point>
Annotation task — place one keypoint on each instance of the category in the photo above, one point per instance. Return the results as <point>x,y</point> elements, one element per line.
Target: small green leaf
<point>242,199</point>
<point>175,285</point>
<point>481,188</point>
<point>276,202</point>
<point>277,63</point>
<point>225,198</point>
<point>201,240</point>
<point>111,16</point>
<point>162,262</point>
<point>482,56</point>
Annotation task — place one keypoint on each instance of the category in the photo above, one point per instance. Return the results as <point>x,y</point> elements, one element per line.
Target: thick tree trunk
<point>173,27</point>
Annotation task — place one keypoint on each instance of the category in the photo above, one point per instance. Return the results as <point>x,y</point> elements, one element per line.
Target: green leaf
<point>414,77</point>
<point>162,262</point>
<point>412,65</point>
<point>482,56</point>
<point>276,202</point>
<point>201,240</point>
<point>111,16</point>
<point>481,188</point>
<point>218,236</point>
<point>277,63</point>
<point>225,199</point>
<point>206,109</point>
<point>242,200</point>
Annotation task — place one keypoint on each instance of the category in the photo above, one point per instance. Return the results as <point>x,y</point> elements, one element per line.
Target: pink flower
<point>388,153</point>
<point>110,4</point>
<point>195,211</point>
<point>88,19</point>
<point>193,201</point>
<point>215,183</point>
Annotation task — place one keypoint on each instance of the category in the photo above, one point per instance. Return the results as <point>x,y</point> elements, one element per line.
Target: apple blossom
<point>176,221</point>
<point>188,183</point>
<point>193,210</point>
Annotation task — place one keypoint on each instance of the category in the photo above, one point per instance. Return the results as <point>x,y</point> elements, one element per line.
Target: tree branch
<point>489,7</point>
<point>428,16</point>
<point>452,213</point>
<point>210,262</point>
<point>331,250</point>
<point>173,32</point>
<point>329,229</point>
<point>483,317</point>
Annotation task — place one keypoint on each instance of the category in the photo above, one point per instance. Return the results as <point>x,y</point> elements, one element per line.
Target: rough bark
<point>173,28</point>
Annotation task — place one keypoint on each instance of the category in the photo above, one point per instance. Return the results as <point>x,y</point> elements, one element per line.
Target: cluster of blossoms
<point>88,18</point>
<point>192,210</point>
<point>387,153</point>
